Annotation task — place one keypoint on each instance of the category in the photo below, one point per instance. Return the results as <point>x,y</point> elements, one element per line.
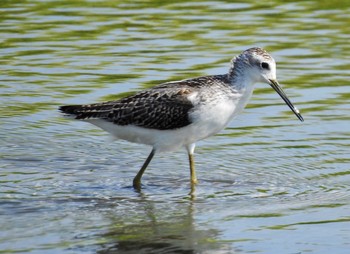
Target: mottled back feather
<point>163,107</point>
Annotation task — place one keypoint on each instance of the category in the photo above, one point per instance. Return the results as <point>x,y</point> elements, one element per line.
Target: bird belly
<point>161,140</point>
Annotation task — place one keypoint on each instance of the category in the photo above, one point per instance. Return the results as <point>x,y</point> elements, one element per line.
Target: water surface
<point>267,183</point>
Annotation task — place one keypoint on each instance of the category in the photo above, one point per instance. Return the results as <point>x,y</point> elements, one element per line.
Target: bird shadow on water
<point>156,226</point>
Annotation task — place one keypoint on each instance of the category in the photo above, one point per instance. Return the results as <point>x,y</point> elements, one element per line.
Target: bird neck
<point>240,79</point>
<point>239,75</point>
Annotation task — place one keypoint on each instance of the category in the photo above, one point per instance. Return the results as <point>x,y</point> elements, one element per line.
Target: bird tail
<point>70,109</point>
<point>100,110</point>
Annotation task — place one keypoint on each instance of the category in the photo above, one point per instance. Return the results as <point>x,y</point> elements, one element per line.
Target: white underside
<point>207,120</point>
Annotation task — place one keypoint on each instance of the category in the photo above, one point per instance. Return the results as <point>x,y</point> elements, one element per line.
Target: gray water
<point>267,183</point>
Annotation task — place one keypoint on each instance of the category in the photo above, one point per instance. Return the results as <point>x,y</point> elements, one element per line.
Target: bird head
<point>259,66</point>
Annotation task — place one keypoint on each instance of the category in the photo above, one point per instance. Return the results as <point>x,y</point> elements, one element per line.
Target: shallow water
<point>267,183</point>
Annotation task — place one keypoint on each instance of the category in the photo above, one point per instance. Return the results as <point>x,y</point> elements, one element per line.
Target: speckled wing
<point>163,107</point>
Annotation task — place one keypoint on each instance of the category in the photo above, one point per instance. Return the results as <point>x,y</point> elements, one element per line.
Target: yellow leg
<point>190,150</point>
<point>137,179</point>
<point>192,169</point>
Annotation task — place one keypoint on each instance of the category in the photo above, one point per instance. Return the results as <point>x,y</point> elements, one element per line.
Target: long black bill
<point>274,84</point>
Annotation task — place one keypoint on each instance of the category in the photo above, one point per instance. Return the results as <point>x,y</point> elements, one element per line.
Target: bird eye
<point>265,65</point>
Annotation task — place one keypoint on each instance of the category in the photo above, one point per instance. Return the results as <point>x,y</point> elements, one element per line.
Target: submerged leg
<point>190,150</point>
<point>137,179</point>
